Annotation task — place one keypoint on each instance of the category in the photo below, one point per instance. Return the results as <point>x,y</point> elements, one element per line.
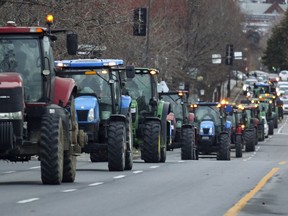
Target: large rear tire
<point>224,151</point>
<point>151,142</point>
<point>238,146</point>
<point>116,146</point>
<point>188,149</point>
<point>249,139</point>
<point>261,137</point>
<point>51,149</point>
<point>271,127</point>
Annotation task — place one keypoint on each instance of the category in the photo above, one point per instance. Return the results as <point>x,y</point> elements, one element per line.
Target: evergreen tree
<point>276,54</point>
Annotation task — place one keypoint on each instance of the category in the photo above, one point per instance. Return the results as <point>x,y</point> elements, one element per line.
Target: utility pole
<point>147,54</point>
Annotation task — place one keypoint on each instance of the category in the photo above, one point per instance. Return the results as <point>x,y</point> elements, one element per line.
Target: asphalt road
<point>253,185</point>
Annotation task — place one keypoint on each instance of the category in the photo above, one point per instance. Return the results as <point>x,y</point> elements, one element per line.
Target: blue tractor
<point>213,130</point>
<point>102,110</point>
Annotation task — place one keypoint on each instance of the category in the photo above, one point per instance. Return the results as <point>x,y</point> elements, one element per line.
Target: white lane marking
<point>181,161</point>
<point>153,167</point>
<point>28,200</point>
<point>68,190</point>
<point>96,184</point>
<point>138,171</point>
<point>118,177</point>
<point>253,154</point>
<point>281,128</point>
<point>36,167</point>
<point>8,172</point>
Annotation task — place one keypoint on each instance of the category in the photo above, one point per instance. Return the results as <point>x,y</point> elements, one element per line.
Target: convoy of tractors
<point>57,110</point>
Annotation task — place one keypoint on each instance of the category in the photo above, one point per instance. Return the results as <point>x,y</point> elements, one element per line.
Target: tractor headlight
<point>91,115</point>
<point>133,110</point>
<point>201,131</point>
<point>210,131</point>
<point>11,115</point>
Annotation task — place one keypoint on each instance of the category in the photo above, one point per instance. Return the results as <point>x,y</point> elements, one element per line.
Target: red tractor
<point>37,115</point>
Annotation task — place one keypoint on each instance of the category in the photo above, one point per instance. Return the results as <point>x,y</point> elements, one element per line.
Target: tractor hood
<point>86,102</point>
<point>87,109</point>
<point>207,128</point>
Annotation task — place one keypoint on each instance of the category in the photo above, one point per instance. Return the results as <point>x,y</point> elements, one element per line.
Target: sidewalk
<point>235,92</point>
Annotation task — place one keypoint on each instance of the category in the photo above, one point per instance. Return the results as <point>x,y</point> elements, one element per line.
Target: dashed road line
<point>35,167</point>
<point>68,190</point>
<point>137,171</point>
<point>8,172</point>
<point>282,162</point>
<point>118,177</point>
<point>28,200</point>
<point>96,184</point>
<point>153,167</point>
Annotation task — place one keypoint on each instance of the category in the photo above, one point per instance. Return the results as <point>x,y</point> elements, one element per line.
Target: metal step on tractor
<point>151,130</point>
<point>37,113</point>
<point>183,131</point>
<point>213,130</point>
<point>102,109</point>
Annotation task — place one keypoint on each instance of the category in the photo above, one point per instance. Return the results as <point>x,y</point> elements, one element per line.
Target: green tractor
<point>266,109</point>
<point>183,135</point>
<point>151,130</point>
<point>252,126</point>
<point>274,112</point>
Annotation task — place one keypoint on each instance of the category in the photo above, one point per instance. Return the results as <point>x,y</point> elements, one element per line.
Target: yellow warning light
<point>90,72</point>
<point>152,72</point>
<point>49,19</point>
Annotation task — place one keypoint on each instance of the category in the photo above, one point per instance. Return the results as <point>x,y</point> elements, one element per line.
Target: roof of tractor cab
<point>12,28</point>
<point>88,63</point>
<point>152,71</point>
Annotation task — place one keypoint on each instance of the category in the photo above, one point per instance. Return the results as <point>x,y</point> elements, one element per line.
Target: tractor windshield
<point>175,102</point>
<point>94,84</point>
<point>22,55</point>
<point>139,88</point>
<point>209,113</point>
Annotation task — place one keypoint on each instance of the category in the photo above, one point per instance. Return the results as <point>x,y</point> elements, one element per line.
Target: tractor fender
<point>118,117</point>
<point>125,104</point>
<point>61,90</point>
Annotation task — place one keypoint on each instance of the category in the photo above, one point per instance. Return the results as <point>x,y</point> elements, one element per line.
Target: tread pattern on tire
<point>116,146</point>
<point>224,152</point>
<point>69,167</point>
<point>249,139</point>
<point>151,142</point>
<point>51,149</point>
<point>188,151</point>
<point>238,146</point>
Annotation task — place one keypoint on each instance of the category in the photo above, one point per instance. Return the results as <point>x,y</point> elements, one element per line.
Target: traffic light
<point>229,54</point>
<point>140,22</point>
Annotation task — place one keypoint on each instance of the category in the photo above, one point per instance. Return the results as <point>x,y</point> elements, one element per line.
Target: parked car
<point>283,75</point>
<point>285,104</point>
<point>248,85</point>
<point>266,127</point>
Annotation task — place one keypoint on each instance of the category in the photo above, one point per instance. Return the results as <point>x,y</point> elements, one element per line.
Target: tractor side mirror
<point>72,43</point>
<point>130,72</point>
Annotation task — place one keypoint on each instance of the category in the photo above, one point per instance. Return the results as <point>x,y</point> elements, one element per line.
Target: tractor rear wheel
<point>238,146</point>
<point>151,142</point>
<point>129,147</point>
<point>51,149</point>
<point>249,139</point>
<point>188,149</point>
<point>224,152</point>
<point>116,146</point>
<point>271,127</point>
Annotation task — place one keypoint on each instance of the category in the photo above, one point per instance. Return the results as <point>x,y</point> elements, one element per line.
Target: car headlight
<point>91,115</point>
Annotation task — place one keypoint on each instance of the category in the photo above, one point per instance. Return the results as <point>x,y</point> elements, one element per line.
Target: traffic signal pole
<point>148,36</point>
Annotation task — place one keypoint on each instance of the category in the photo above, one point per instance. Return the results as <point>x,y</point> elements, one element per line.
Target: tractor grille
<point>82,115</point>
<point>11,99</point>
<point>206,130</point>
